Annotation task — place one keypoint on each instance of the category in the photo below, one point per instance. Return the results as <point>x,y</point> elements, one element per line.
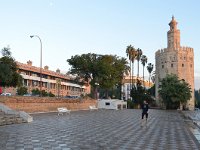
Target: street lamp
<point>96,90</point>
<point>40,62</point>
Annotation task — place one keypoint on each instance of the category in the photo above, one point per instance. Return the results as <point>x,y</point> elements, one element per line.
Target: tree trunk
<point>106,93</point>
<point>149,79</point>
<point>138,70</point>
<point>130,75</point>
<point>143,76</point>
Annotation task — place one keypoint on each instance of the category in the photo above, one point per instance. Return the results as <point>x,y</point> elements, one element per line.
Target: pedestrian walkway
<point>100,130</point>
<point>195,117</point>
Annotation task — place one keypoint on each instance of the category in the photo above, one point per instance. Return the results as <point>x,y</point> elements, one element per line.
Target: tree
<point>8,70</point>
<point>150,69</point>
<point>143,61</point>
<point>140,93</point>
<point>174,92</point>
<point>132,54</point>
<point>197,98</point>
<point>128,53</point>
<point>111,71</point>
<point>138,57</point>
<point>104,71</point>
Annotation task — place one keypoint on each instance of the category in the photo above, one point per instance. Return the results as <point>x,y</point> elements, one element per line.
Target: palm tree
<point>133,57</point>
<point>153,76</point>
<point>139,54</point>
<point>128,53</point>
<point>131,53</point>
<point>150,69</point>
<point>143,61</point>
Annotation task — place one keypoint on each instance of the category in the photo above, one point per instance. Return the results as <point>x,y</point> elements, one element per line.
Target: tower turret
<point>173,35</point>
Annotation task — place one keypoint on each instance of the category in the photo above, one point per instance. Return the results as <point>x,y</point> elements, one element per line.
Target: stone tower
<point>175,59</point>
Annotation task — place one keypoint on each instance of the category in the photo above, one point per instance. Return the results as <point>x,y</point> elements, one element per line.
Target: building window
<point>172,65</point>
<point>190,65</point>
<point>25,82</point>
<point>182,65</point>
<point>162,66</point>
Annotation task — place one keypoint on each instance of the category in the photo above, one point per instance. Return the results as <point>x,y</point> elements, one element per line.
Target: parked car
<point>72,97</point>
<point>6,94</point>
<point>27,95</point>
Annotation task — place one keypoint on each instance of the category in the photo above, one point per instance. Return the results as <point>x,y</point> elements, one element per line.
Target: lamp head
<point>31,36</point>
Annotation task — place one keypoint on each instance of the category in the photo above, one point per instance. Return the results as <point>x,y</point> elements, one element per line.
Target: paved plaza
<point>101,130</point>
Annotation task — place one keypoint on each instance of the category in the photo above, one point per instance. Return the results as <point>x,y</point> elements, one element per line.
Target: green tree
<point>103,71</point>
<point>143,61</point>
<point>22,90</point>
<point>8,70</point>
<point>138,57</point>
<point>132,54</point>
<point>152,90</point>
<point>140,93</point>
<point>111,71</point>
<point>150,69</point>
<point>197,98</point>
<point>174,92</point>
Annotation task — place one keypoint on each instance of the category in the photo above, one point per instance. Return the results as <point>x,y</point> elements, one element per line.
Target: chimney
<point>58,70</point>
<point>46,67</point>
<point>29,63</point>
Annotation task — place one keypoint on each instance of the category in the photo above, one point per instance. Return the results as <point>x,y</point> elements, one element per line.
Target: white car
<point>6,94</point>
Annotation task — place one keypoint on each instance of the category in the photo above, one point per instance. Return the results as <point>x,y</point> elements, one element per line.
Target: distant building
<point>55,82</point>
<point>175,59</point>
<point>127,84</point>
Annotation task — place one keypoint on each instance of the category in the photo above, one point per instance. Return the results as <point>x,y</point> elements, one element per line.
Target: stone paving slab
<point>100,130</point>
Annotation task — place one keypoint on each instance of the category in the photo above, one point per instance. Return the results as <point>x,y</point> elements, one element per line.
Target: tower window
<point>162,66</point>
<point>172,65</point>
<point>182,65</point>
<point>191,65</point>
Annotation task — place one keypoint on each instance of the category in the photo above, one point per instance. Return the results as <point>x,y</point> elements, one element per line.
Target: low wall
<point>45,104</point>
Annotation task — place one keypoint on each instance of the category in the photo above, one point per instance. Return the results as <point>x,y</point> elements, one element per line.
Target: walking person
<point>145,108</point>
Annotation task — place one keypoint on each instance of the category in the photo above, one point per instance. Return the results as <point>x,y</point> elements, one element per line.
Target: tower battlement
<point>161,51</point>
<point>185,48</point>
<point>182,48</point>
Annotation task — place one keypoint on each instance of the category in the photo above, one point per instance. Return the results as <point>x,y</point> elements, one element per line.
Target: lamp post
<point>96,90</point>
<point>40,62</point>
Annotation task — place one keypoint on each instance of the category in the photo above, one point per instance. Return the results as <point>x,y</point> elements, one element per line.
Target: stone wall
<point>44,104</point>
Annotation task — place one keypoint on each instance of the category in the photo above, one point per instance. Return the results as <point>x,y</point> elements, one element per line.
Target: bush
<point>130,104</point>
<point>22,90</point>
<point>51,94</point>
<point>35,92</point>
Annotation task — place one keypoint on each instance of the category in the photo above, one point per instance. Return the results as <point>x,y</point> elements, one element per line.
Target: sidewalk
<point>101,130</point>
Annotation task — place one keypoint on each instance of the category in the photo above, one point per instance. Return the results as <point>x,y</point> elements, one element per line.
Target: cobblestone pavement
<point>100,130</point>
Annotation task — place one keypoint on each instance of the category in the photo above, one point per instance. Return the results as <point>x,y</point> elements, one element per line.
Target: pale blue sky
<point>70,27</point>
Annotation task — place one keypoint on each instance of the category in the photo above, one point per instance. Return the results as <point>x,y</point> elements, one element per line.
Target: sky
<point>71,27</point>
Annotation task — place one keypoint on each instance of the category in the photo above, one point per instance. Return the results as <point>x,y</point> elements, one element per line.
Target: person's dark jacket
<point>145,108</point>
